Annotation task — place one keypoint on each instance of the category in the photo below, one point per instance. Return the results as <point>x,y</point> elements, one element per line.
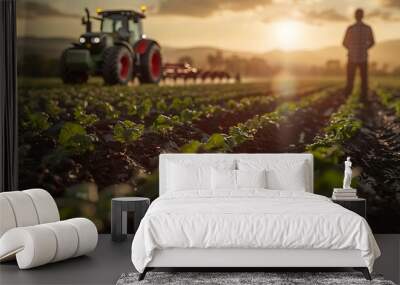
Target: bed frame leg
<point>143,274</point>
<point>364,271</point>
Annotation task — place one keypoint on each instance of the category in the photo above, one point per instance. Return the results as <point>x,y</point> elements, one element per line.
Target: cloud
<point>331,15</point>
<point>382,15</point>
<point>328,15</point>
<point>205,8</point>
<point>34,10</point>
<point>390,3</point>
<point>315,17</point>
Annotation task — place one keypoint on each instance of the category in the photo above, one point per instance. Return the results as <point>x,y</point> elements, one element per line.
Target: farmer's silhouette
<point>358,39</point>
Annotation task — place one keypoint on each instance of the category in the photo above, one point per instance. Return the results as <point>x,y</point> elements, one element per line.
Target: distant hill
<point>383,53</point>
<point>386,52</point>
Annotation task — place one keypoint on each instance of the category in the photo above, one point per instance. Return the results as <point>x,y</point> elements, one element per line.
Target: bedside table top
<point>130,199</point>
<point>350,199</point>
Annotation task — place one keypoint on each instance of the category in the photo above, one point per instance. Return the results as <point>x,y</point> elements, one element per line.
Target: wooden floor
<point>110,260</point>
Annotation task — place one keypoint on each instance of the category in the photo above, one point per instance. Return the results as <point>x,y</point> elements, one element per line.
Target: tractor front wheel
<point>71,76</point>
<point>117,66</point>
<point>151,65</point>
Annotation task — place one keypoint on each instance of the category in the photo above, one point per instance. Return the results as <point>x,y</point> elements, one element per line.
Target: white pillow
<point>183,178</point>
<point>223,179</point>
<point>227,179</point>
<point>292,179</point>
<point>251,178</point>
<point>281,174</point>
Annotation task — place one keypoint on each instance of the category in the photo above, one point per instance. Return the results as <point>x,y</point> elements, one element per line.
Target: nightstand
<point>357,205</point>
<point>119,210</point>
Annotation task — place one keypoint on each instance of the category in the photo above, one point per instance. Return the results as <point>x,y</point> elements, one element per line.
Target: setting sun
<point>288,34</point>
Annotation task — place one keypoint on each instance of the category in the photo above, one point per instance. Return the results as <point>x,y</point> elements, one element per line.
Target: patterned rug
<point>244,278</point>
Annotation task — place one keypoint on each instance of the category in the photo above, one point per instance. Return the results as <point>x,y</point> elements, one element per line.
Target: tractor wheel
<point>71,76</point>
<point>151,65</point>
<point>117,65</point>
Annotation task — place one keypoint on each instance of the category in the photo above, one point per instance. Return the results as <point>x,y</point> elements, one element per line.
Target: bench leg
<point>364,271</point>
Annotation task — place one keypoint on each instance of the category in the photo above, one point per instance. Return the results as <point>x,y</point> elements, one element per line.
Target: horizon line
<point>223,49</point>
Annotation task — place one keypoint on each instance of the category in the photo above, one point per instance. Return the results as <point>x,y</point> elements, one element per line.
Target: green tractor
<point>118,53</point>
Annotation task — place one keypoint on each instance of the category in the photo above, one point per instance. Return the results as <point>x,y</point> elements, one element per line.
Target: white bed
<point>249,227</point>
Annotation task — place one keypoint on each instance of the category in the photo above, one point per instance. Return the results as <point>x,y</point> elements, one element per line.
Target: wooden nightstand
<point>357,205</point>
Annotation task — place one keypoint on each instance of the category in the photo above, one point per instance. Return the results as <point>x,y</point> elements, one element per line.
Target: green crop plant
<point>127,131</point>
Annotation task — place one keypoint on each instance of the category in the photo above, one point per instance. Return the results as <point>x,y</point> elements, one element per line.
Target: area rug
<point>244,278</point>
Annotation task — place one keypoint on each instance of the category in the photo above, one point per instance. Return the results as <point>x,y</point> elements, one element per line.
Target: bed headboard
<point>210,157</point>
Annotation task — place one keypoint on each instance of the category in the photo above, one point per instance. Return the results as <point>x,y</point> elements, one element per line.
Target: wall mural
<point>104,87</point>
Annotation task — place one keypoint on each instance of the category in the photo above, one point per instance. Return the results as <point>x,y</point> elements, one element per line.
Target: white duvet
<point>250,219</point>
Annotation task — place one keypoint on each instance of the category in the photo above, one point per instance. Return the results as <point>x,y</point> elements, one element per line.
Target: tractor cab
<point>115,25</point>
<point>118,52</point>
<point>124,24</point>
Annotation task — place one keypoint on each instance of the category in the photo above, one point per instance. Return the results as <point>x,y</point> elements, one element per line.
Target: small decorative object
<point>345,193</point>
<point>347,174</point>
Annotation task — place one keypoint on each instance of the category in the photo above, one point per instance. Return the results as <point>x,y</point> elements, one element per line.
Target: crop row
<point>328,147</point>
<point>246,131</point>
<point>74,136</point>
<point>67,104</point>
<point>221,121</point>
<point>343,124</point>
<point>108,103</point>
<point>389,99</point>
<point>74,128</point>
<point>206,113</point>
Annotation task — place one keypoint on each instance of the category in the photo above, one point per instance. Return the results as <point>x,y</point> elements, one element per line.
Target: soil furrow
<point>297,131</point>
<point>221,122</point>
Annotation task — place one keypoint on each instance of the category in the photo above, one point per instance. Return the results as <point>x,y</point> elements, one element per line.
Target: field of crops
<point>89,143</point>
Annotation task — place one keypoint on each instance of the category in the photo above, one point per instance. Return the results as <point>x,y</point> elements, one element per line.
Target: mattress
<point>251,219</point>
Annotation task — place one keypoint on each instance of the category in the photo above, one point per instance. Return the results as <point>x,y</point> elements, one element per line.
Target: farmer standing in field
<point>358,40</point>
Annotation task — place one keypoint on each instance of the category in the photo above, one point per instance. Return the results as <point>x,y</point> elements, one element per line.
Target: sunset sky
<point>247,25</point>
